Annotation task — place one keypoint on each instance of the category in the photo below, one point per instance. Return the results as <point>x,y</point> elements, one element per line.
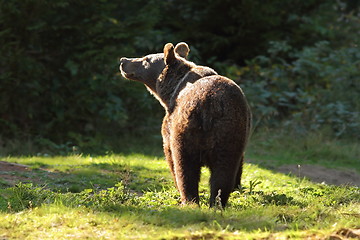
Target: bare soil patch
<point>13,173</point>
<point>322,174</point>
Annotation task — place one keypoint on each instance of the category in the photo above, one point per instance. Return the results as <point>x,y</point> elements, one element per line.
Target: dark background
<point>297,61</point>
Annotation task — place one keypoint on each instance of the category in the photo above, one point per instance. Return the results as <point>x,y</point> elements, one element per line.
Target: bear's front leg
<point>187,171</point>
<point>166,146</point>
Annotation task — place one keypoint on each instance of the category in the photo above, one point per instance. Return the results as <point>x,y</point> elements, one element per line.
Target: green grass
<point>131,196</point>
<point>270,148</point>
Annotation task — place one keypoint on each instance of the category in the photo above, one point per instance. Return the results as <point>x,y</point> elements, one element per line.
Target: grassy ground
<point>131,196</point>
<point>270,149</point>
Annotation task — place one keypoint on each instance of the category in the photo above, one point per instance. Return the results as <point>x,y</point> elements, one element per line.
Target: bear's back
<point>214,90</point>
<point>212,108</point>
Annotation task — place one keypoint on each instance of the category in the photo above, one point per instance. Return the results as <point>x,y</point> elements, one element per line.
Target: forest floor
<point>314,173</point>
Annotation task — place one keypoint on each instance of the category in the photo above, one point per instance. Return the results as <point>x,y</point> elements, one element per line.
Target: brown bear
<point>207,121</point>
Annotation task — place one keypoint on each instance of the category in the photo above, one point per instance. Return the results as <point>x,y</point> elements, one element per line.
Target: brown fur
<point>207,123</point>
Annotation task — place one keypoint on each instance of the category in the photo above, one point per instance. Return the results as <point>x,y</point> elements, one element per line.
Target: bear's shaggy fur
<point>207,123</point>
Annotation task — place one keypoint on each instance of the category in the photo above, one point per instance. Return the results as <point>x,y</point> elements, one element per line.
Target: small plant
<point>252,185</point>
<point>103,199</point>
<point>218,204</point>
<point>277,199</point>
<point>26,196</point>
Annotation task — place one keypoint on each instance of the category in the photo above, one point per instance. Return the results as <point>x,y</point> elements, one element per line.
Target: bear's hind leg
<point>221,185</point>
<point>239,173</point>
<point>224,172</point>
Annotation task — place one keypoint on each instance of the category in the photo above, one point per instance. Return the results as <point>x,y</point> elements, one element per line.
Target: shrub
<point>59,67</point>
<point>318,88</point>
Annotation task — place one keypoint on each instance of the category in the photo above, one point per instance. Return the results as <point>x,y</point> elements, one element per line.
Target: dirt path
<point>322,174</point>
<point>13,173</point>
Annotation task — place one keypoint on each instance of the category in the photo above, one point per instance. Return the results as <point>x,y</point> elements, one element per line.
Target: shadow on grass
<point>185,217</point>
<point>76,178</point>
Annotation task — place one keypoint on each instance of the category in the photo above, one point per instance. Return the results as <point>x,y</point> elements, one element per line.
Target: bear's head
<point>147,69</point>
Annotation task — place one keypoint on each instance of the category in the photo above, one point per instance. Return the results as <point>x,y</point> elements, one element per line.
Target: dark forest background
<point>297,61</point>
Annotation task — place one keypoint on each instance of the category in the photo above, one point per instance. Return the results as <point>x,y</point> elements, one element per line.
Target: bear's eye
<point>146,63</point>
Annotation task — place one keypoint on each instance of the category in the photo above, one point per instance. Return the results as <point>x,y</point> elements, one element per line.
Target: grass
<point>131,196</point>
<point>270,149</point>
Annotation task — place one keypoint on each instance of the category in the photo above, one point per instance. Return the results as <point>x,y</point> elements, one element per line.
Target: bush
<point>318,88</point>
<point>59,67</point>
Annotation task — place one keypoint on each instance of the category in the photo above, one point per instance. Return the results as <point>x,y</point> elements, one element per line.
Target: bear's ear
<point>169,54</point>
<point>182,49</point>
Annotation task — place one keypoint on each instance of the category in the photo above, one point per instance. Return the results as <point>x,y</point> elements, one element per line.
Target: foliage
<point>318,88</point>
<point>60,85</point>
<point>58,67</point>
<point>236,31</point>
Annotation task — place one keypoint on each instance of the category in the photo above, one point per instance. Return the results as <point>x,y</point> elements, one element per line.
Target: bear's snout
<point>123,63</point>
<point>123,59</point>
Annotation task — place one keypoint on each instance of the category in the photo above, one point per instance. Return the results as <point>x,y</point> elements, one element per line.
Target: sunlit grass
<point>133,196</point>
